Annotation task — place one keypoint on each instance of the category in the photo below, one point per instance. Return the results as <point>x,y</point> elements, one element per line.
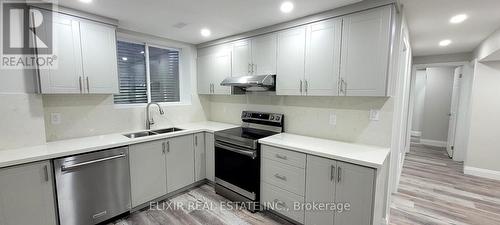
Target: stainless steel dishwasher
<point>93,187</point>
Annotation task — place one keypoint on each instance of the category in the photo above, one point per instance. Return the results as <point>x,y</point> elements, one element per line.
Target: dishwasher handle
<point>68,167</point>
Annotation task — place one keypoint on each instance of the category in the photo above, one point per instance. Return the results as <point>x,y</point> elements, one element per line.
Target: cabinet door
<point>264,54</point>
<point>365,52</point>
<point>242,58</point>
<point>148,175</point>
<point>355,185</point>
<point>204,74</point>
<point>27,195</point>
<point>210,151</point>
<point>221,70</point>
<point>180,162</point>
<point>323,58</point>
<point>320,188</point>
<point>291,60</point>
<point>199,157</point>
<point>99,58</point>
<point>67,76</point>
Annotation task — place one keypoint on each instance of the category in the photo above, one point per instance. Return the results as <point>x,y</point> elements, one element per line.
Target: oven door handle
<point>238,150</point>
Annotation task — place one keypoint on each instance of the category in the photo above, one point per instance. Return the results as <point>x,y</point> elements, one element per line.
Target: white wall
<point>418,100</point>
<point>437,103</point>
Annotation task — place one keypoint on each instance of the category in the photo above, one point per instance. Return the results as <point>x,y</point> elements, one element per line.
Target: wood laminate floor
<point>434,190</point>
<point>200,206</point>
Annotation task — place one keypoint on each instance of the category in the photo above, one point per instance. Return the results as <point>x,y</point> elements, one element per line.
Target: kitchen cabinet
<point>210,156</point>
<point>199,157</point>
<point>86,58</point>
<point>291,61</point>
<point>334,181</point>
<point>365,53</point>
<point>27,195</point>
<point>148,174</point>
<point>180,162</point>
<point>214,65</point>
<point>264,54</point>
<point>242,58</point>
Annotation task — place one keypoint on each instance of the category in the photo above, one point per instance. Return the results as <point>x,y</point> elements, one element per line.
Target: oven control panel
<point>262,116</point>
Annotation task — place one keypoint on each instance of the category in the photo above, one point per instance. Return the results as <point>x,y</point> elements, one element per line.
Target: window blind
<point>131,73</point>
<point>164,74</point>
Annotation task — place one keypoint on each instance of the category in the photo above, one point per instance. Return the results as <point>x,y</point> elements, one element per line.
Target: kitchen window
<point>147,73</point>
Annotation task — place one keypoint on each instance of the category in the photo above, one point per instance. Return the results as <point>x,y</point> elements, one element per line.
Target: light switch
<point>374,115</point>
<point>333,119</point>
<point>55,118</point>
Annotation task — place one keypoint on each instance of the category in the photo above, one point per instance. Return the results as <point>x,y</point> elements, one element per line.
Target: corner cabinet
<point>214,65</point>
<point>86,58</point>
<point>27,195</point>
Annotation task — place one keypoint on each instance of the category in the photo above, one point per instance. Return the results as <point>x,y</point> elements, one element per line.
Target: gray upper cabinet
<point>264,54</point>
<point>333,181</point>
<point>148,175</point>
<point>27,195</point>
<point>214,65</point>
<point>180,162</point>
<point>242,58</point>
<point>291,59</point>
<point>365,53</point>
<point>86,58</point>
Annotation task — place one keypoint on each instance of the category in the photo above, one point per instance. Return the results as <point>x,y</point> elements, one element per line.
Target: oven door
<point>237,169</point>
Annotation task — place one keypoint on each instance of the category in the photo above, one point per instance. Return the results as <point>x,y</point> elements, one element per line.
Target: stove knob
<point>272,117</point>
<point>277,117</point>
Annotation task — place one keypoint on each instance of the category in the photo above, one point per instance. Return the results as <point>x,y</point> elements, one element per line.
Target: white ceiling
<point>222,17</point>
<point>428,21</point>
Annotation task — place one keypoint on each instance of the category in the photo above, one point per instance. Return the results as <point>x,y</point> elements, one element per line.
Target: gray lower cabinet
<point>148,173</point>
<point>210,156</point>
<point>27,195</point>
<point>180,162</point>
<point>339,182</point>
<point>199,157</point>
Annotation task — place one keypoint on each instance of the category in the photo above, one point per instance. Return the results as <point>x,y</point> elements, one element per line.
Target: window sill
<point>143,105</point>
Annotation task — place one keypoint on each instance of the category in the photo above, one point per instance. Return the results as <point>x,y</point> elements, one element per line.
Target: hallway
<point>433,190</point>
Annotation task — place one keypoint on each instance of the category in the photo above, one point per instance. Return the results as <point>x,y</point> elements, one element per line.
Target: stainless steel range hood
<point>252,83</point>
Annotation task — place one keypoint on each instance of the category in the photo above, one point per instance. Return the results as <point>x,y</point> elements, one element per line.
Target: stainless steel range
<point>237,156</point>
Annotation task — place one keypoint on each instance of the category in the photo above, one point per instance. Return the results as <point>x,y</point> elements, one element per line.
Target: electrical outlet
<point>374,115</point>
<point>55,118</point>
<point>333,119</point>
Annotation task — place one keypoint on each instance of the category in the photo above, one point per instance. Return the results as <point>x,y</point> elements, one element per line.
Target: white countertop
<point>57,149</point>
<point>365,155</point>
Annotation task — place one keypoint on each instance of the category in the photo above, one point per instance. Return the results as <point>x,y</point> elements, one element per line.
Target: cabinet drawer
<point>282,201</point>
<point>284,156</point>
<point>283,176</point>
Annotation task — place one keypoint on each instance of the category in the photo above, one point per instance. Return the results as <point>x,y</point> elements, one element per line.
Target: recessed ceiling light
<point>86,1</point>
<point>205,32</point>
<point>286,7</point>
<point>458,18</point>
<point>124,58</point>
<point>445,42</point>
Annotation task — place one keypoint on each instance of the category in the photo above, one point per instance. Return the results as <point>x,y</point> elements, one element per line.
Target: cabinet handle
<point>249,68</point>
<point>332,173</point>
<point>168,146</point>
<point>195,140</point>
<point>279,156</point>
<point>46,173</point>
<point>339,174</point>
<point>163,147</point>
<point>280,177</point>
<point>80,82</point>
<point>306,85</point>
<point>88,85</point>
<point>343,86</point>
<point>300,86</point>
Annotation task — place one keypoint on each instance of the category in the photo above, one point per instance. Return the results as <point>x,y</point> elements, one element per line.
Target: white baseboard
<point>485,173</point>
<point>415,133</point>
<point>433,143</point>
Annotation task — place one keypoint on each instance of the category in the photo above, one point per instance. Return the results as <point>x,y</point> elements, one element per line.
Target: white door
<point>199,157</point>
<point>455,98</point>
<point>291,62</point>
<point>148,175</point>
<point>320,188</point>
<point>365,53</point>
<point>180,162</point>
<point>27,195</point>
<point>210,154</point>
<point>264,54</point>
<point>242,58</point>
<point>99,58</point>
<point>323,58</point>
<point>67,76</point>
<point>221,69</point>
<point>204,74</point>
<point>355,185</point>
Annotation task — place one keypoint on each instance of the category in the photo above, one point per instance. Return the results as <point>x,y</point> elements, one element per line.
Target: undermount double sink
<point>152,132</point>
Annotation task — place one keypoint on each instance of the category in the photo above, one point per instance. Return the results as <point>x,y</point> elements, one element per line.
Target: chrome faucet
<point>150,121</point>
